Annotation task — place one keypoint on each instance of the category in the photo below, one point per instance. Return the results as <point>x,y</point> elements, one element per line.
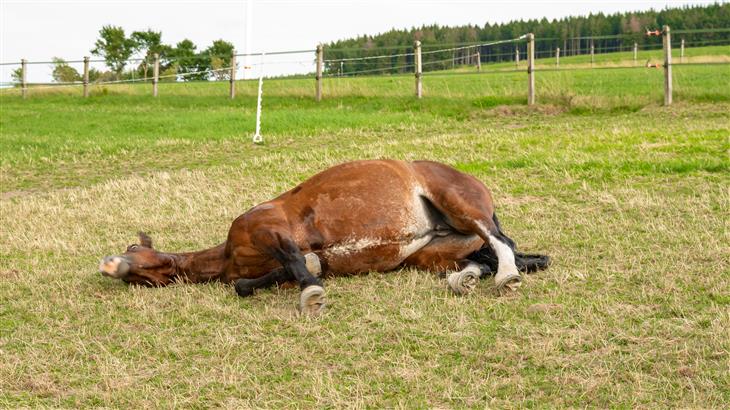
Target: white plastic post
<point>257,138</point>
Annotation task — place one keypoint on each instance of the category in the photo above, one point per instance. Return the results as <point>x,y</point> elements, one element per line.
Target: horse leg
<point>448,253</point>
<point>466,205</point>
<point>245,287</point>
<point>465,217</point>
<point>280,245</point>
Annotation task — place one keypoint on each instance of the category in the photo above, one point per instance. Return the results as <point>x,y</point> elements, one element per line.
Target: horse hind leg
<point>525,262</point>
<point>473,214</point>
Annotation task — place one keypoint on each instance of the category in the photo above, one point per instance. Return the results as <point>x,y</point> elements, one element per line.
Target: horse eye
<point>132,247</point>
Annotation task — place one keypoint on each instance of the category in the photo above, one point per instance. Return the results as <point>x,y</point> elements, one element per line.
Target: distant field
<point>629,198</point>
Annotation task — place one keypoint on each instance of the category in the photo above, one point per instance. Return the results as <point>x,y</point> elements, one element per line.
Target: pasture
<point>629,198</point>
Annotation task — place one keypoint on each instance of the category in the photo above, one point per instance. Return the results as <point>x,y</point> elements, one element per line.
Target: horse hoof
<point>312,300</point>
<point>243,288</point>
<point>463,282</point>
<point>509,283</point>
<point>311,260</point>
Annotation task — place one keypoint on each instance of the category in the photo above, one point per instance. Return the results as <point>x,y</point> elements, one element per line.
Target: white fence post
<point>592,53</point>
<point>517,56</point>
<point>636,52</point>
<point>318,76</point>
<point>156,75</point>
<point>86,77</point>
<point>23,72</point>
<point>419,69</point>
<point>557,57</point>
<point>681,52</point>
<point>232,91</point>
<point>667,67</point>
<point>479,60</point>
<point>530,69</point>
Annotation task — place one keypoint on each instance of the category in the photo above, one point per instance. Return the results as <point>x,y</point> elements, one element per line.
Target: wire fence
<point>517,54</point>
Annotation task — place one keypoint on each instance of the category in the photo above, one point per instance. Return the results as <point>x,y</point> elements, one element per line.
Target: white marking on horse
<point>352,246</point>
<point>408,249</point>
<point>505,259</point>
<point>418,227</point>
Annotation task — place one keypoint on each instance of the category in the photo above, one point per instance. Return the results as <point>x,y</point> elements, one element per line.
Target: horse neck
<point>200,266</point>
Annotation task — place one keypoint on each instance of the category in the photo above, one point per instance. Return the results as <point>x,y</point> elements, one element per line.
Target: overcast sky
<point>39,30</point>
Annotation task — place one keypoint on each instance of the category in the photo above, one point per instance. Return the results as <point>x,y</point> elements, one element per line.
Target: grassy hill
<point>628,197</point>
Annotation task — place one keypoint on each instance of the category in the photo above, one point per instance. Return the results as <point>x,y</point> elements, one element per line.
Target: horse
<point>355,217</point>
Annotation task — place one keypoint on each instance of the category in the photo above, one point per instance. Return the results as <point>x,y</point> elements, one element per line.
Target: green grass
<point>629,198</point>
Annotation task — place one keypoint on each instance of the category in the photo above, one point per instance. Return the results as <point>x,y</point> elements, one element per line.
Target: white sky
<point>39,30</point>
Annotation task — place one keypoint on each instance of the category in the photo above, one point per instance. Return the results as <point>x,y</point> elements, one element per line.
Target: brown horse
<point>354,217</point>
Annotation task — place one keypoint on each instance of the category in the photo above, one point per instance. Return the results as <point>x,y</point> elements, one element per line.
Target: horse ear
<point>144,239</point>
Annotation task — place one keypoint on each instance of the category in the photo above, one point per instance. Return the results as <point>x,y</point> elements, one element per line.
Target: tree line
<point>118,51</point>
<point>573,35</point>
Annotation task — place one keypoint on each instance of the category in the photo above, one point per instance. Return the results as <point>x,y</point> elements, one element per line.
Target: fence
<point>432,57</point>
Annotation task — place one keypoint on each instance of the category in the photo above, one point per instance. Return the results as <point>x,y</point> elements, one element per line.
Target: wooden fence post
<point>23,72</point>
<point>156,75</point>
<point>318,76</point>
<point>530,69</point>
<point>681,52</point>
<point>557,57</point>
<point>592,53</point>
<point>667,67</point>
<point>517,56</point>
<point>636,52</point>
<point>232,92</point>
<point>479,60</point>
<point>86,77</point>
<point>419,69</point>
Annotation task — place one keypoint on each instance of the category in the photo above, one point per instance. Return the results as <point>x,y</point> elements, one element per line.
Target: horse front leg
<point>280,245</point>
<point>246,287</point>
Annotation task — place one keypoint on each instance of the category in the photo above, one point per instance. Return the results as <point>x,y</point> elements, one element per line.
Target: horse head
<point>141,263</point>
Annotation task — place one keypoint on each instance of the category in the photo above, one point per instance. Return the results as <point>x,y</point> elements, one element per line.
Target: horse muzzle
<point>116,267</point>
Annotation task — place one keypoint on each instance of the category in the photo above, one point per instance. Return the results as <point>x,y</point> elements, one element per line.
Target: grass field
<point>628,197</point>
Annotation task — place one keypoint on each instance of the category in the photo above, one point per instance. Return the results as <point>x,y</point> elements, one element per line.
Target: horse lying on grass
<point>355,217</point>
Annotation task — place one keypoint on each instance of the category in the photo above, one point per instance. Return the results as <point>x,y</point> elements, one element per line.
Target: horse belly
<point>366,255</point>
